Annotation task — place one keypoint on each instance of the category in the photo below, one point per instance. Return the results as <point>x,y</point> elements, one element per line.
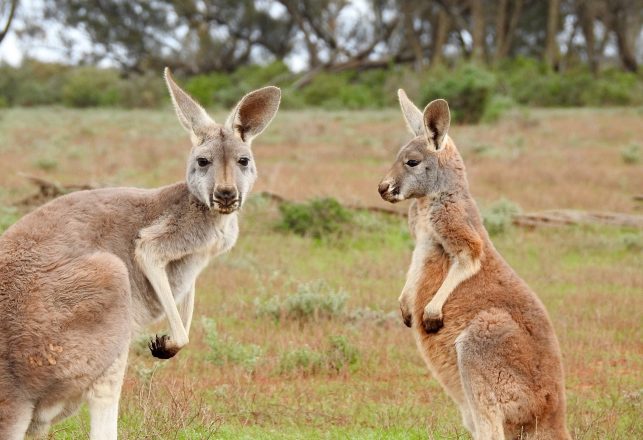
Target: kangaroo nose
<point>383,188</point>
<point>226,194</point>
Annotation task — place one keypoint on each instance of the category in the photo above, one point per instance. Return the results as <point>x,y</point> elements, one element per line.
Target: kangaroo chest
<point>425,271</point>
<point>182,273</point>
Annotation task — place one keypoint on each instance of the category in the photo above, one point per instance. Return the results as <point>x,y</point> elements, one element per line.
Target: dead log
<point>561,217</point>
<point>48,190</point>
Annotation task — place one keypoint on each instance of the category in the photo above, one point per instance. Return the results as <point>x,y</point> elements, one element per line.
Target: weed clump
<point>498,216</point>
<point>318,218</point>
<point>338,355</point>
<point>631,155</point>
<point>224,351</point>
<point>311,302</point>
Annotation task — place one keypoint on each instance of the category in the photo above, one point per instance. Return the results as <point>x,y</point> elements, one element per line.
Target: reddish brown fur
<point>524,358</point>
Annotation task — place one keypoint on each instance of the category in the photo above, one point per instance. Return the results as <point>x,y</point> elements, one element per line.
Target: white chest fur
<point>182,273</point>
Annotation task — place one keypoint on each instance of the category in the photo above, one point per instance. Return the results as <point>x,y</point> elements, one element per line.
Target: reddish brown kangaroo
<point>483,333</point>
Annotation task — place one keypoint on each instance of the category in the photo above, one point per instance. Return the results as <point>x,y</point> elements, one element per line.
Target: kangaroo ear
<point>191,115</point>
<point>412,114</point>
<point>254,112</point>
<point>437,120</point>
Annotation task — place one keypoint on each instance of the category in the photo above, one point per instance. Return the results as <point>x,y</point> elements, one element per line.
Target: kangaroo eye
<point>243,161</point>
<point>203,162</point>
<point>412,162</point>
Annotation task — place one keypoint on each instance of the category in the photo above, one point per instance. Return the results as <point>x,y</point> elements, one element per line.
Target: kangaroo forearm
<point>187,309</point>
<point>461,270</point>
<point>156,275</point>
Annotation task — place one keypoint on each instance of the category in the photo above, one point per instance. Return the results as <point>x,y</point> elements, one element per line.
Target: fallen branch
<point>48,190</point>
<point>560,217</point>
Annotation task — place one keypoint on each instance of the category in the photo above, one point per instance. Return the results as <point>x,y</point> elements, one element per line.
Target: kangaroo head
<point>420,166</point>
<point>221,169</point>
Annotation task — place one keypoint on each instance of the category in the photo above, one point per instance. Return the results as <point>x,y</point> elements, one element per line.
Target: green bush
<point>338,355</point>
<point>468,90</point>
<point>632,154</point>
<point>91,87</point>
<point>303,361</point>
<point>225,351</point>
<point>530,82</point>
<point>141,91</point>
<point>33,83</point>
<point>318,218</point>
<point>498,216</point>
<point>204,88</point>
<point>347,90</point>
<point>311,302</point>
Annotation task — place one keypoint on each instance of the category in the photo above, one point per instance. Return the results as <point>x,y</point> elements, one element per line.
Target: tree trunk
<point>551,45</point>
<point>503,50</point>
<point>441,27</point>
<point>587,16</point>
<point>477,30</point>
<point>621,29</point>
<point>12,13</point>
<point>411,36</point>
<point>501,29</point>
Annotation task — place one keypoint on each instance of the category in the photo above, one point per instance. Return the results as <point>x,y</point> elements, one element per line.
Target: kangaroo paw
<point>162,347</point>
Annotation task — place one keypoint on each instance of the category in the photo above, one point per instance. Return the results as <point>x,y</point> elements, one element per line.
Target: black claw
<point>408,320</point>
<point>432,325</point>
<point>158,347</point>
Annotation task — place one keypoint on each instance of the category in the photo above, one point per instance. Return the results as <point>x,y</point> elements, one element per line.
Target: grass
<point>355,372</point>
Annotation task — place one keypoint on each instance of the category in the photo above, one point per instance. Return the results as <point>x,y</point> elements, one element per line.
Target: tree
<point>551,45</point>
<point>11,6</point>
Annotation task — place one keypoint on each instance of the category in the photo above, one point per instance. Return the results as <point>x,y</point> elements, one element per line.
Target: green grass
<point>354,372</point>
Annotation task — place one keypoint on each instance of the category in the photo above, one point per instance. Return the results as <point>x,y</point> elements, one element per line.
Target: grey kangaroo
<point>82,274</point>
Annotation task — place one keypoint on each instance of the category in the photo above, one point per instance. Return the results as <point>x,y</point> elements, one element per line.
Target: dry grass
<point>589,277</point>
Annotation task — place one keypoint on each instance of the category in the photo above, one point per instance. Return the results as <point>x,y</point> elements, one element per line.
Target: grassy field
<point>261,365</point>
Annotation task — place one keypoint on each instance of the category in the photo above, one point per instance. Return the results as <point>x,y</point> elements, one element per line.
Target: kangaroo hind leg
<point>488,355</point>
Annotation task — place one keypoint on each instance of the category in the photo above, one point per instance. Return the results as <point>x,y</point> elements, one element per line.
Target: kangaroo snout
<point>388,191</point>
<point>226,198</point>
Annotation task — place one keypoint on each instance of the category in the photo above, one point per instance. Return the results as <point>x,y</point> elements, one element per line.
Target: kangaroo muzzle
<point>389,191</point>
<point>226,199</point>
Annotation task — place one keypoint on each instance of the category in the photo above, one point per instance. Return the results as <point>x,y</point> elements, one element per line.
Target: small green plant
<point>311,302</point>
<point>225,351</point>
<point>303,361</point>
<point>498,216</point>
<point>46,163</point>
<point>318,218</point>
<point>632,241</point>
<point>8,216</point>
<point>338,355</point>
<point>632,154</point>
<point>341,353</point>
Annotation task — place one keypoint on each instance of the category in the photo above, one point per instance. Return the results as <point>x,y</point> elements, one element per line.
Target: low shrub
<point>225,351</point>
<point>498,216</point>
<point>632,154</point>
<point>318,218</point>
<point>338,356</point>
<point>91,87</point>
<point>302,361</point>
<point>311,302</point>
<point>468,90</point>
